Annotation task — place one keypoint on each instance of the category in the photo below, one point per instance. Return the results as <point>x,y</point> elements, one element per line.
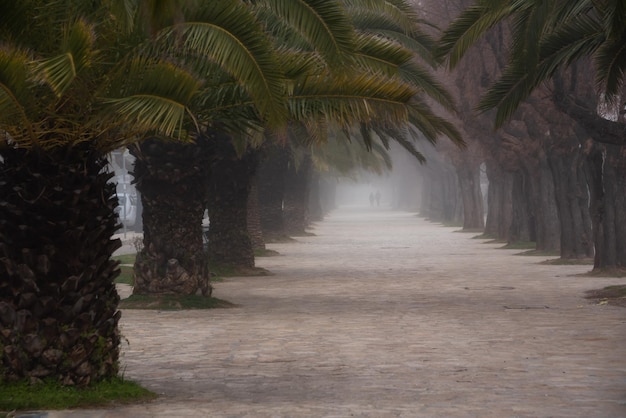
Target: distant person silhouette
<point>377,198</point>
<point>372,198</point>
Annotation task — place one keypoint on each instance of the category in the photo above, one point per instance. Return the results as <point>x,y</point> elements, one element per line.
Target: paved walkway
<point>382,314</point>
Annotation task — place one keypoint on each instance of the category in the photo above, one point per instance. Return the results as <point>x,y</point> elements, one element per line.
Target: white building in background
<point>120,162</point>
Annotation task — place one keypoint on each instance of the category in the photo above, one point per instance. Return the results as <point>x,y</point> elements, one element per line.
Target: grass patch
<point>569,261</point>
<point>520,245</point>
<point>540,253</point>
<point>173,302</point>
<point>126,276</point>
<point>486,236</point>
<point>125,259</point>
<point>449,224</point>
<point>51,395</point>
<point>264,252</point>
<point>610,295</point>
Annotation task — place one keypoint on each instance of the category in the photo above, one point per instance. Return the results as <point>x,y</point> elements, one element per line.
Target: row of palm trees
<point>200,91</point>
<point>191,87</point>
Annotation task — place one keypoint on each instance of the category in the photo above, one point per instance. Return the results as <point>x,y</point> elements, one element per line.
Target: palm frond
<point>228,34</point>
<point>431,125</point>
<point>364,13</point>
<point>380,55</point>
<point>570,41</point>
<point>426,82</point>
<point>610,63</point>
<point>15,88</point>
<point>402,138</point>
<point>155,96</point>
<point>362,98</point>
<point>323,23</point>
<point>60,70</point>
<point>468,27</point>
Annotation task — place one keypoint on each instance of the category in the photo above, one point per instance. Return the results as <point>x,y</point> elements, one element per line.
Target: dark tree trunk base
<point>58,302</point>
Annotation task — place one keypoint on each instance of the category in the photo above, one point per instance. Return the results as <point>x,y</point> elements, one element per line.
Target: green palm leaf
<point>470,26</point>
<point>154,97</point>
<point>15,88</point>
<point>323,23</point>
<point>610,63</point>
<point>76,53</point>
<point>379,54</point>
<point>228,34</point>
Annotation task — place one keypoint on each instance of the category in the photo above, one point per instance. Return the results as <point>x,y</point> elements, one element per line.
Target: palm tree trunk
<point>572,200</point>
<point>297,197</point>
<point>254,221</point>
<point>58,302</point>
<point>271,177</point>
<point>229,187</point>
<point>608,206</point>
<point>171,180</point>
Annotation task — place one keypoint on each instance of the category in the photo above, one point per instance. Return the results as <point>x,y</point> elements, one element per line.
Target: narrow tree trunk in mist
<point>522,226</point>
<point>441,200</point>
<point>254,221</point>
<point>297,197</point>
<point>271,177</point>
<point>499,202</point>
<point>608,206</point>
<point>572,198</point>
<point>328,194</point>
<point>543,204</point>
<point>316,213</point>
<point>229,186</point>
<point>468,173</point>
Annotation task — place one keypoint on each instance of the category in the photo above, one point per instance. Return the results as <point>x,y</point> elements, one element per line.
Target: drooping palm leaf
<point>227,33</point>
<point>59,71</point>
<point>324,23</point>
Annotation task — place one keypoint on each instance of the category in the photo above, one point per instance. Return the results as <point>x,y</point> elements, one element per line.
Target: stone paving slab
<point>383,314</point>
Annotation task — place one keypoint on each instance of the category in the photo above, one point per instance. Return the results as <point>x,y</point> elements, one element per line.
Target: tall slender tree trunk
<point>315,210</point>
<point>441,200</point>
<point>523,223</point>
<point>499,202</point>
<point>171,180</point>
<point>608,206</point>
<point>229,187</point>
<point>271,182</point>
<point>543,203</point>
<point>58,302</point>
<point>468,173</point>
<point>296,200</point>
<point>254,220</point>
<point>572,198</point>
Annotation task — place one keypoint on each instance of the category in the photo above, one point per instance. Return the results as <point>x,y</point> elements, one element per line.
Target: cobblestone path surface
<point>383,314</point>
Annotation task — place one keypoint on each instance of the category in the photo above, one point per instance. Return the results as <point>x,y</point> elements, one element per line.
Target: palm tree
<point>547,39</point>
<point>77,80</point>
<point>316,91</point>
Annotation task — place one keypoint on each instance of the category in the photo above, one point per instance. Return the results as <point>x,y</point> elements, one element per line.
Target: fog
<point>398,188</point>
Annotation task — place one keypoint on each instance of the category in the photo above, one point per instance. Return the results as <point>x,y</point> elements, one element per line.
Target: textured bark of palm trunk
<point>171,180</point>
<point>499,202</point>
<point>468,173</point>
<point>543,203</point>
<point>271,182</point>
<point>297,198</point>
<point>58,302</point>
<point>608,203</point>
<point>522,227</point>
<point>441,200</point>
<point>254,221</point>
<point>229,187</point>
<point>316,213</point>
<point>572,200</point>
